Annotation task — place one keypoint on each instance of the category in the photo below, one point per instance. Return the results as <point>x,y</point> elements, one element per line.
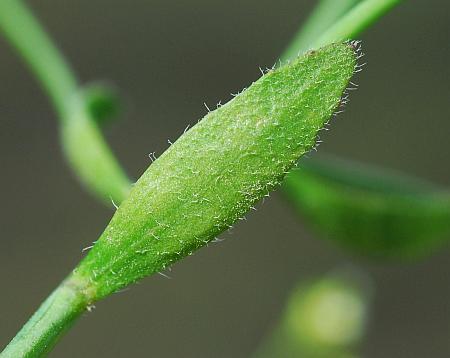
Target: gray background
<point>168,58</point>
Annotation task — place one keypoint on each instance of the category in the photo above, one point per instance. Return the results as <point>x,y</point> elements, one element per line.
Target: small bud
<point>216,171</point>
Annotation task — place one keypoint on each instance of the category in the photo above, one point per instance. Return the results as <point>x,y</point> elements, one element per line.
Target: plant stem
<point>324,14</point>
<point>356,20</point>
<point>44,60</point>
<point>50,321</point>
<point>23,31</point>
<point>333,21</point>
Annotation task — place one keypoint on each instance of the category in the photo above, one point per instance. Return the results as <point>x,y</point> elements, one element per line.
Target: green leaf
<point>219,169</point>
<point>370,210</point>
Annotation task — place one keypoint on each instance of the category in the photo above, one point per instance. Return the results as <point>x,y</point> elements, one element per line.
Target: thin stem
<point>333,21</point>
<point>356,21</point>
<point>23,31</point>
<point>86,150</point>
<point>324,14</point>
<point>50,321</point>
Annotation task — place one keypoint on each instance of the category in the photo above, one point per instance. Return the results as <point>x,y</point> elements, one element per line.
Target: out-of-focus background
<point>168,58</point>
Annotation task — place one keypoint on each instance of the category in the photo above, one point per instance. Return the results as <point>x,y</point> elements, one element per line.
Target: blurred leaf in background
<point>370,210</point>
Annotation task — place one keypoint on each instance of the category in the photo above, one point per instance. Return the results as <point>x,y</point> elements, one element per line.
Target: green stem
<point>333,21</point>
<point>23,31</point>
<point>356,21</point>
<point>50,321</point>
<point>88,155</point>
<point>325,13</point>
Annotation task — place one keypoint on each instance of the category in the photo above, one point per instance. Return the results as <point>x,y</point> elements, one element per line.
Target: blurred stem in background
<point>326,12</point>
<point>355,21</point>
<point>325,318</point>
<point>333,21</point>
<point>83,143</point>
